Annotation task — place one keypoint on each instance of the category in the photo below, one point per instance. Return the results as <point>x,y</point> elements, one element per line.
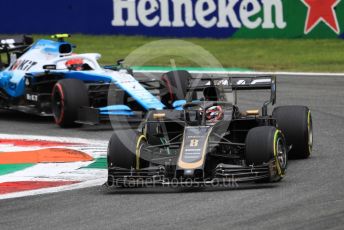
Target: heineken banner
<point>177,18</point>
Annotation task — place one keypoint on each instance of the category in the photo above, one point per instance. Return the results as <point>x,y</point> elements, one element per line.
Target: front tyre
<point>296,124</point>
<point>67,97</point>
<point>124,151</point>
<point>265,144</point>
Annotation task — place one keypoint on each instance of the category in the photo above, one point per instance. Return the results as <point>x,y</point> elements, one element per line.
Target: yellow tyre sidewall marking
<point>141,138</point>
<point>279,169</point>
<point>309,128</point>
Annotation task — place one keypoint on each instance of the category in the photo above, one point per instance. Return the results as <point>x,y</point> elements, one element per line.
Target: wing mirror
<point>49,67</point>
<point>120,62</point>
<point>178,104</point>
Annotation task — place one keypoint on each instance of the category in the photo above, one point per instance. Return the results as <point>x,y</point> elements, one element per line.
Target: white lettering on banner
<point>205,13</point>
<point>144,12</point>
<point>178,5</point>
<point>227,11</point>
<point>165,17</point>
<point>245,14</point>
<point>119,6</point>
<point>277,4</point>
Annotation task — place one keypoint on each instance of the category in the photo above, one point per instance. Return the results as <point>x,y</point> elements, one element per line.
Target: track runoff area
<point>34,164</point>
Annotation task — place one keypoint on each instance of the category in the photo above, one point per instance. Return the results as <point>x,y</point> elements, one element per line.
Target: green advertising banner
<point>299,19</point>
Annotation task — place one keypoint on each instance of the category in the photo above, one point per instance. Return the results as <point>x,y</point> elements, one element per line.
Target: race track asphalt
<point>311,196</point>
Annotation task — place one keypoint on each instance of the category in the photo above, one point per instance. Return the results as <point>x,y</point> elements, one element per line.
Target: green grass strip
<point>310,55</point>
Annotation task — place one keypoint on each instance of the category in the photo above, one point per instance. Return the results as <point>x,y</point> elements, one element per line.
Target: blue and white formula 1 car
<point>47,78</point>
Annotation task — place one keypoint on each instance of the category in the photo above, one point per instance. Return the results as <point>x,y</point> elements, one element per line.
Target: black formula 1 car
<point>207,139</point>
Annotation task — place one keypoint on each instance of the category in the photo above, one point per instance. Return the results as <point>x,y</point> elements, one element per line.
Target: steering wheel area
<point>203,112</point>
<point>214,113</point>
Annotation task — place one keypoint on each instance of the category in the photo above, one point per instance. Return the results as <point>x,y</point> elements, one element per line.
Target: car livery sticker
<point>194,147</point>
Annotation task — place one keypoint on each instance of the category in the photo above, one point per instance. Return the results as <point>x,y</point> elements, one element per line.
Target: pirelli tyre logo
<point>203,13</point>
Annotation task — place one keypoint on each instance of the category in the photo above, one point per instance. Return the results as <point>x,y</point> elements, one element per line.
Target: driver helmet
<point>75,64</point>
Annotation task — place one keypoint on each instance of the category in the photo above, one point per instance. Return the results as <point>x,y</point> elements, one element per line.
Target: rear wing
<point>256,83</point>
<point>252,83</point>
<point>15,43</point>
<point>235,84</point>
<point>13,47</point>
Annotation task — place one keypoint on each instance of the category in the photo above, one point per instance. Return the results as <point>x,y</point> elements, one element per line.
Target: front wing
<point>223,175</point>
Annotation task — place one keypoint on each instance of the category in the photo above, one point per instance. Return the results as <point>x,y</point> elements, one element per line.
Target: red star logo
<point>321,10</point>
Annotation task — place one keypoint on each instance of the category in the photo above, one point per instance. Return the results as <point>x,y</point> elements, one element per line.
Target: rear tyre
<point>68,96</point>
<point>264,144</point>
<point>174,86</point>
<point>296,124</point>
